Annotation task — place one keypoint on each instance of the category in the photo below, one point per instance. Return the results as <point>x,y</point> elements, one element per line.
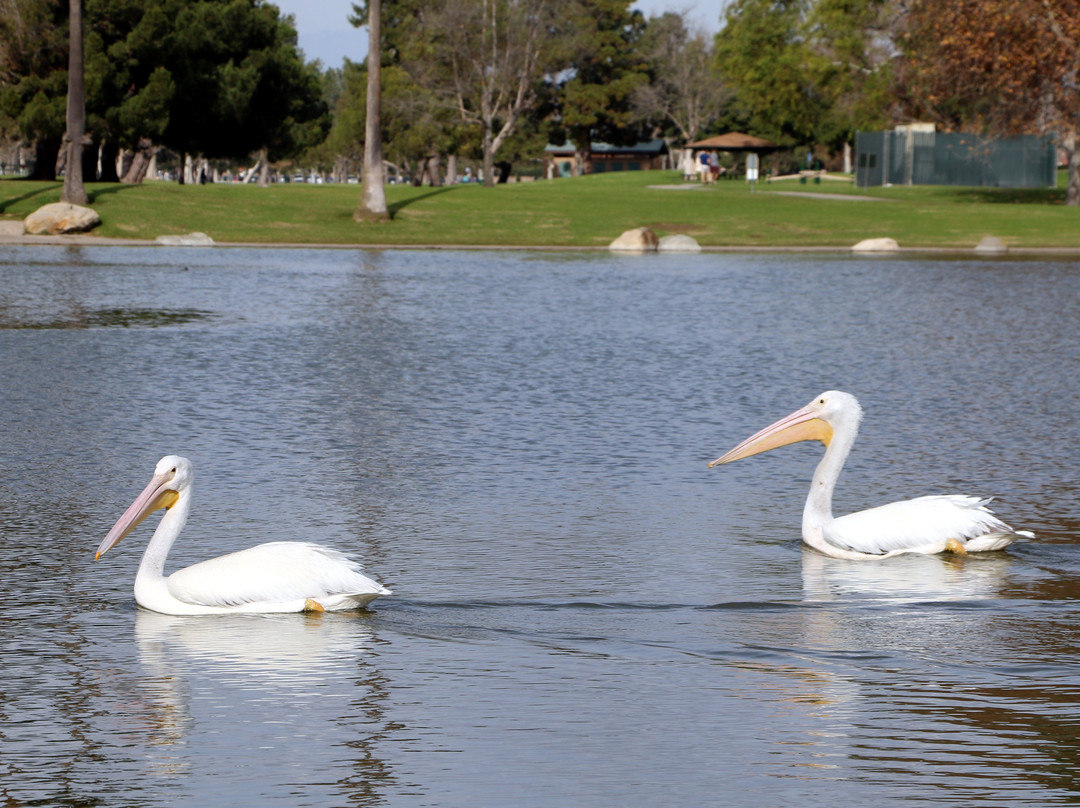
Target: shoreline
<point>82,240</point>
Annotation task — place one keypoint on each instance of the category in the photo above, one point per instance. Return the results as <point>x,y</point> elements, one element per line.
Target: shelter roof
<point>734,141</point>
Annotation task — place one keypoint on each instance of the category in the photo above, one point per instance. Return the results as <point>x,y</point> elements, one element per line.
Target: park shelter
<point>564,161</point>
<point>908,156</point>
<point>737,143</point>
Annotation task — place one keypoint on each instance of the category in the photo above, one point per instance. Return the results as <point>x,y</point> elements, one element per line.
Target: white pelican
<point>933,524</point>
<point>281,576</point>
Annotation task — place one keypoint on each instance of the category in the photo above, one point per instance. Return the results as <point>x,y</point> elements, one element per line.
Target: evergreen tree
<point>763,54</point>
<point>222,78</point>
<point>33,77</point>
<point>606,68</point>
<point>808,71</point>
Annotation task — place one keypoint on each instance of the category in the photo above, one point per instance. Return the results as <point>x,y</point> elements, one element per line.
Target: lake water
<point>516,443</point>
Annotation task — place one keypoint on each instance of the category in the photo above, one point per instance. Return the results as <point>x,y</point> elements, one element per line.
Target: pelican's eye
<point>821,401</point>
<point>172,470</point>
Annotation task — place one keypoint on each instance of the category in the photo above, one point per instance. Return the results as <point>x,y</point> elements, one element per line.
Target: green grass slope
<point>579,212</point>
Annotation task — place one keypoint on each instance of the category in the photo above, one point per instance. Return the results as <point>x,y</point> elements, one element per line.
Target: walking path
<point>689,186</point>
<point>842,197</point>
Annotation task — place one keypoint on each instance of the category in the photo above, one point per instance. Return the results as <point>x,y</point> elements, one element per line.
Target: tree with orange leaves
<point>1007,67</point>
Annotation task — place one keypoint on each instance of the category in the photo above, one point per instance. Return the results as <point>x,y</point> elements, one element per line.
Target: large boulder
<point>679,243</point>
<point>188,240</point>
<point>640,239</point>
<point>876,245</point>
<point>61,217</point>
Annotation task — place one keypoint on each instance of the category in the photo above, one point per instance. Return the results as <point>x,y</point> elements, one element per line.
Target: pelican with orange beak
<point>274,577</point>
<point>928,525</point>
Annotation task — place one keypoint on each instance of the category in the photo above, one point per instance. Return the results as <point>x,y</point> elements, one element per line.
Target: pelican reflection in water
<point>933,524</point>
<point>273,577</point>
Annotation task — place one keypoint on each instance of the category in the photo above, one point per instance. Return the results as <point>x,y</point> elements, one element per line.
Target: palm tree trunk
<point>74,192</point>
<point>372,207</point>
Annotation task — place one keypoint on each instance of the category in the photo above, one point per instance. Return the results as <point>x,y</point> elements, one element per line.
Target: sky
<point>325,33</point>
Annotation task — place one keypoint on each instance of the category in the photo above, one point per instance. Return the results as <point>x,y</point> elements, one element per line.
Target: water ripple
<point>516,443</point>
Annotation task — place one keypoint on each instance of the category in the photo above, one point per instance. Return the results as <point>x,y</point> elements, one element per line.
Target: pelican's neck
<point>152,567</point>
<point>818,510</point>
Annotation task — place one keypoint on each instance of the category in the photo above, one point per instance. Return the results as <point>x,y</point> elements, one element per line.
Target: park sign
<point>751,167</point>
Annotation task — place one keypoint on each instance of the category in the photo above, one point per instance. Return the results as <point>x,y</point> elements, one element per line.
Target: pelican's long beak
<point>158,494</point>
<point>802,424</point>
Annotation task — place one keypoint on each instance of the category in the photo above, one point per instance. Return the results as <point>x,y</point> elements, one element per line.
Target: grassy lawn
<point>579,212</point>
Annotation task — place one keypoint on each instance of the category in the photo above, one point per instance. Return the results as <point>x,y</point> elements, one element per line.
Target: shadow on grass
<point>112,188</point>
<point>6,203</point>
<point>92,194</point>
<point>404,203</point>
<point>1016,196</point>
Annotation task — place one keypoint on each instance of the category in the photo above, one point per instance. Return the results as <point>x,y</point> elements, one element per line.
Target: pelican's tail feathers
<point>989,542</point>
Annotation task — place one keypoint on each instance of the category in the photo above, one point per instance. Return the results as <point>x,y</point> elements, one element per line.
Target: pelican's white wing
<point>276,573</point>
<point>921,525</point>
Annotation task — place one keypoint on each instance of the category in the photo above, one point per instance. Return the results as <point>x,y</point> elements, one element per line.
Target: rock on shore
<point>991,245</point>
<point>679,243</point>
<point>640,239</point>
<point>876,245</point>
<point>189,240</point>
<point>61,217</point>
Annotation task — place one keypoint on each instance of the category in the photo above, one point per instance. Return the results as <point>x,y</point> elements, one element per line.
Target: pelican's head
<point>818,420</point>
<point>172,475</point>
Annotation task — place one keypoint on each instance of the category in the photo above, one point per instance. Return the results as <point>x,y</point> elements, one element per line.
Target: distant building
<point>564,161</point>
<point>918,155</point>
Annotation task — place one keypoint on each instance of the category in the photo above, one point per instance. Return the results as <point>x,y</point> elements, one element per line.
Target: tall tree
<point>1004,66</point>
<point>496,54</point>
<point>74,192</point>
<point>767,59</point>
<point>133,91</point>
<point>240,83</point>
<point>605,66</point>
<point>372,190</point>
<point>808,71</point>
<point>686,89</point>
<point>282,111</point>
<point>417,128</point>
<point>854,49</point>
<point>33,77</point>
<point>218,77</point>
